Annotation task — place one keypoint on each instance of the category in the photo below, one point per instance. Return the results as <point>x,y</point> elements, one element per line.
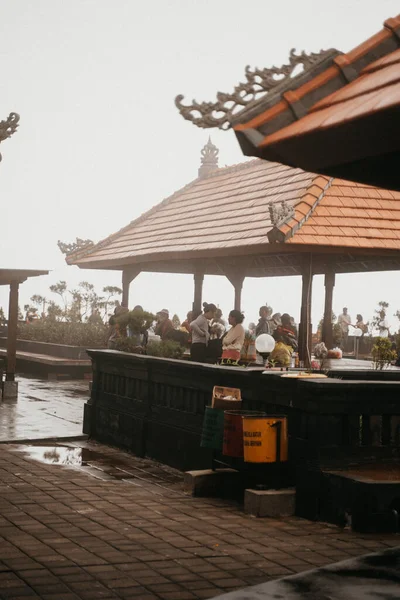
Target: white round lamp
<point>265,343</point>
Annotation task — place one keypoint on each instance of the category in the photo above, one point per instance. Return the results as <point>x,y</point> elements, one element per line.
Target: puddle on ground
<point>60,455</point>
<point>104,466</point>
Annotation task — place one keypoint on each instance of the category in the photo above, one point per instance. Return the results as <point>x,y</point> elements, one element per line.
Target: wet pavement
<point>125,529</point>
<point>44,409</point>
<point>81,521</point>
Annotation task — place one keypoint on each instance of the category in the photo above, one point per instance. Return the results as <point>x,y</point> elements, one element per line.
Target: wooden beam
<point>305,327</point>
<point>12,331</point>
<point>128,275</point>
<point>327,329</point>
<point>198,293</point>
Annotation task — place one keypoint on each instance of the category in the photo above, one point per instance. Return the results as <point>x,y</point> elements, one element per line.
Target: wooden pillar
<point>128,275</point>
<point>238,293</point>
<point>12,331</point>
<point>198,293</point>
<point>327,331</point>
<point>305,327</point>
<point>237,280</point>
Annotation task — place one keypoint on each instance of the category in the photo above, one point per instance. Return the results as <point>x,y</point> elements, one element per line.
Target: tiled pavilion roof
<point>231,213</point>
<point>227,209</point>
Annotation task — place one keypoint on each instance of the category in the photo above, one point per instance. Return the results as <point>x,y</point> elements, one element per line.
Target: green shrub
<point>86,335</point>
<point>138,321</point>
<point>126,344</point>
<point>165,349</point>
<point>382,353</point>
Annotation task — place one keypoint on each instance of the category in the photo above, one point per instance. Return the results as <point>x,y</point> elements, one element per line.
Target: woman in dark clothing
<point>285,333</point>
<point>165,326</point>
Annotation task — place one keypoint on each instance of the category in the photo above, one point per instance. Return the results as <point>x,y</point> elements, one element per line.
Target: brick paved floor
<point>67,535</point>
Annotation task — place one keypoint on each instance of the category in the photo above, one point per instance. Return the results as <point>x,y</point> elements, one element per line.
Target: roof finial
<point>209,159</point>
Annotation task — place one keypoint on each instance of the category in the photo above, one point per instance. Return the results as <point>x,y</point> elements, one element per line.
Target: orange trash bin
<point>233,431</point>
<point>265,439</point>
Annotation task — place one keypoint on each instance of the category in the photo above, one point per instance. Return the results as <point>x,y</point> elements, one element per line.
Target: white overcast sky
<point>100,140</point>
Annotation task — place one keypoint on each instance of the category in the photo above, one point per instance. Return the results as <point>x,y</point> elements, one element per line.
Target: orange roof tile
<point>353,223</point>
<point>342,121</point>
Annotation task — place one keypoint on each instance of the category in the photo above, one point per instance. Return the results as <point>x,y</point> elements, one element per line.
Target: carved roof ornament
<point>78,245</point>
<point>8,127</point>
<point>259,83</point>
<point>209,154</point>
<point>280,212</point>
<point>209,159</point>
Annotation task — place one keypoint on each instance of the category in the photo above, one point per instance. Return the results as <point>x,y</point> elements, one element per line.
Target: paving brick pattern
<point>66,535</point>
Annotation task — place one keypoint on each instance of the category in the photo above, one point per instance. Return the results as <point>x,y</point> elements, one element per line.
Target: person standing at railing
<point>164,325</point>
<point>344,321</point>
<point>264,324</point>
<point>233,340</point>
<point>201,333</point>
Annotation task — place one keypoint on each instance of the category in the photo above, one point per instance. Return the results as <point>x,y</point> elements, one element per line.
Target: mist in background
<point>100,140</point>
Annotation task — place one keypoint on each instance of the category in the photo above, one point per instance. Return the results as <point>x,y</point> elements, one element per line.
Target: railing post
<point>12,331</point>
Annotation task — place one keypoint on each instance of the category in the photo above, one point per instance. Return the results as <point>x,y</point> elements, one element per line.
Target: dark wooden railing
<point>155,407</point>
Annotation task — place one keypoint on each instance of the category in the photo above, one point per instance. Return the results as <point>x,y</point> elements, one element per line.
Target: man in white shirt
<point>344,321</point>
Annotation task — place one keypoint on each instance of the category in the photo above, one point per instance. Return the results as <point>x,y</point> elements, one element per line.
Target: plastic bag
<point>281,355</point>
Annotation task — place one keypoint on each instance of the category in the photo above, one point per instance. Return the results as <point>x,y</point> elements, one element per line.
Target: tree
<point>54,311</point>
<point>90,299</point>
<point>382,305</point>
<point>321,322</point>
<point>60,289</point>
<point>397,314</point>
<point>74,312</point>
<point>2,316</point>
<point>40,301</point>
<point>110,300</point>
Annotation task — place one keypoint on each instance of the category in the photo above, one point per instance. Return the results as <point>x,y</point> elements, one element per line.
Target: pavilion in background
<point>12,278</point>
<point>258,219</point>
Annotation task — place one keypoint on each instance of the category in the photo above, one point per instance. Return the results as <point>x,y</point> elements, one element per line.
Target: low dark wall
<point>155,407</point>
<point>58,350</point>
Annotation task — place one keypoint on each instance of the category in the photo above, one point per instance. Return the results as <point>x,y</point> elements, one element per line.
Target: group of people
<point>281,327</point>
<point>345,322</point>
<point>211,339</point>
